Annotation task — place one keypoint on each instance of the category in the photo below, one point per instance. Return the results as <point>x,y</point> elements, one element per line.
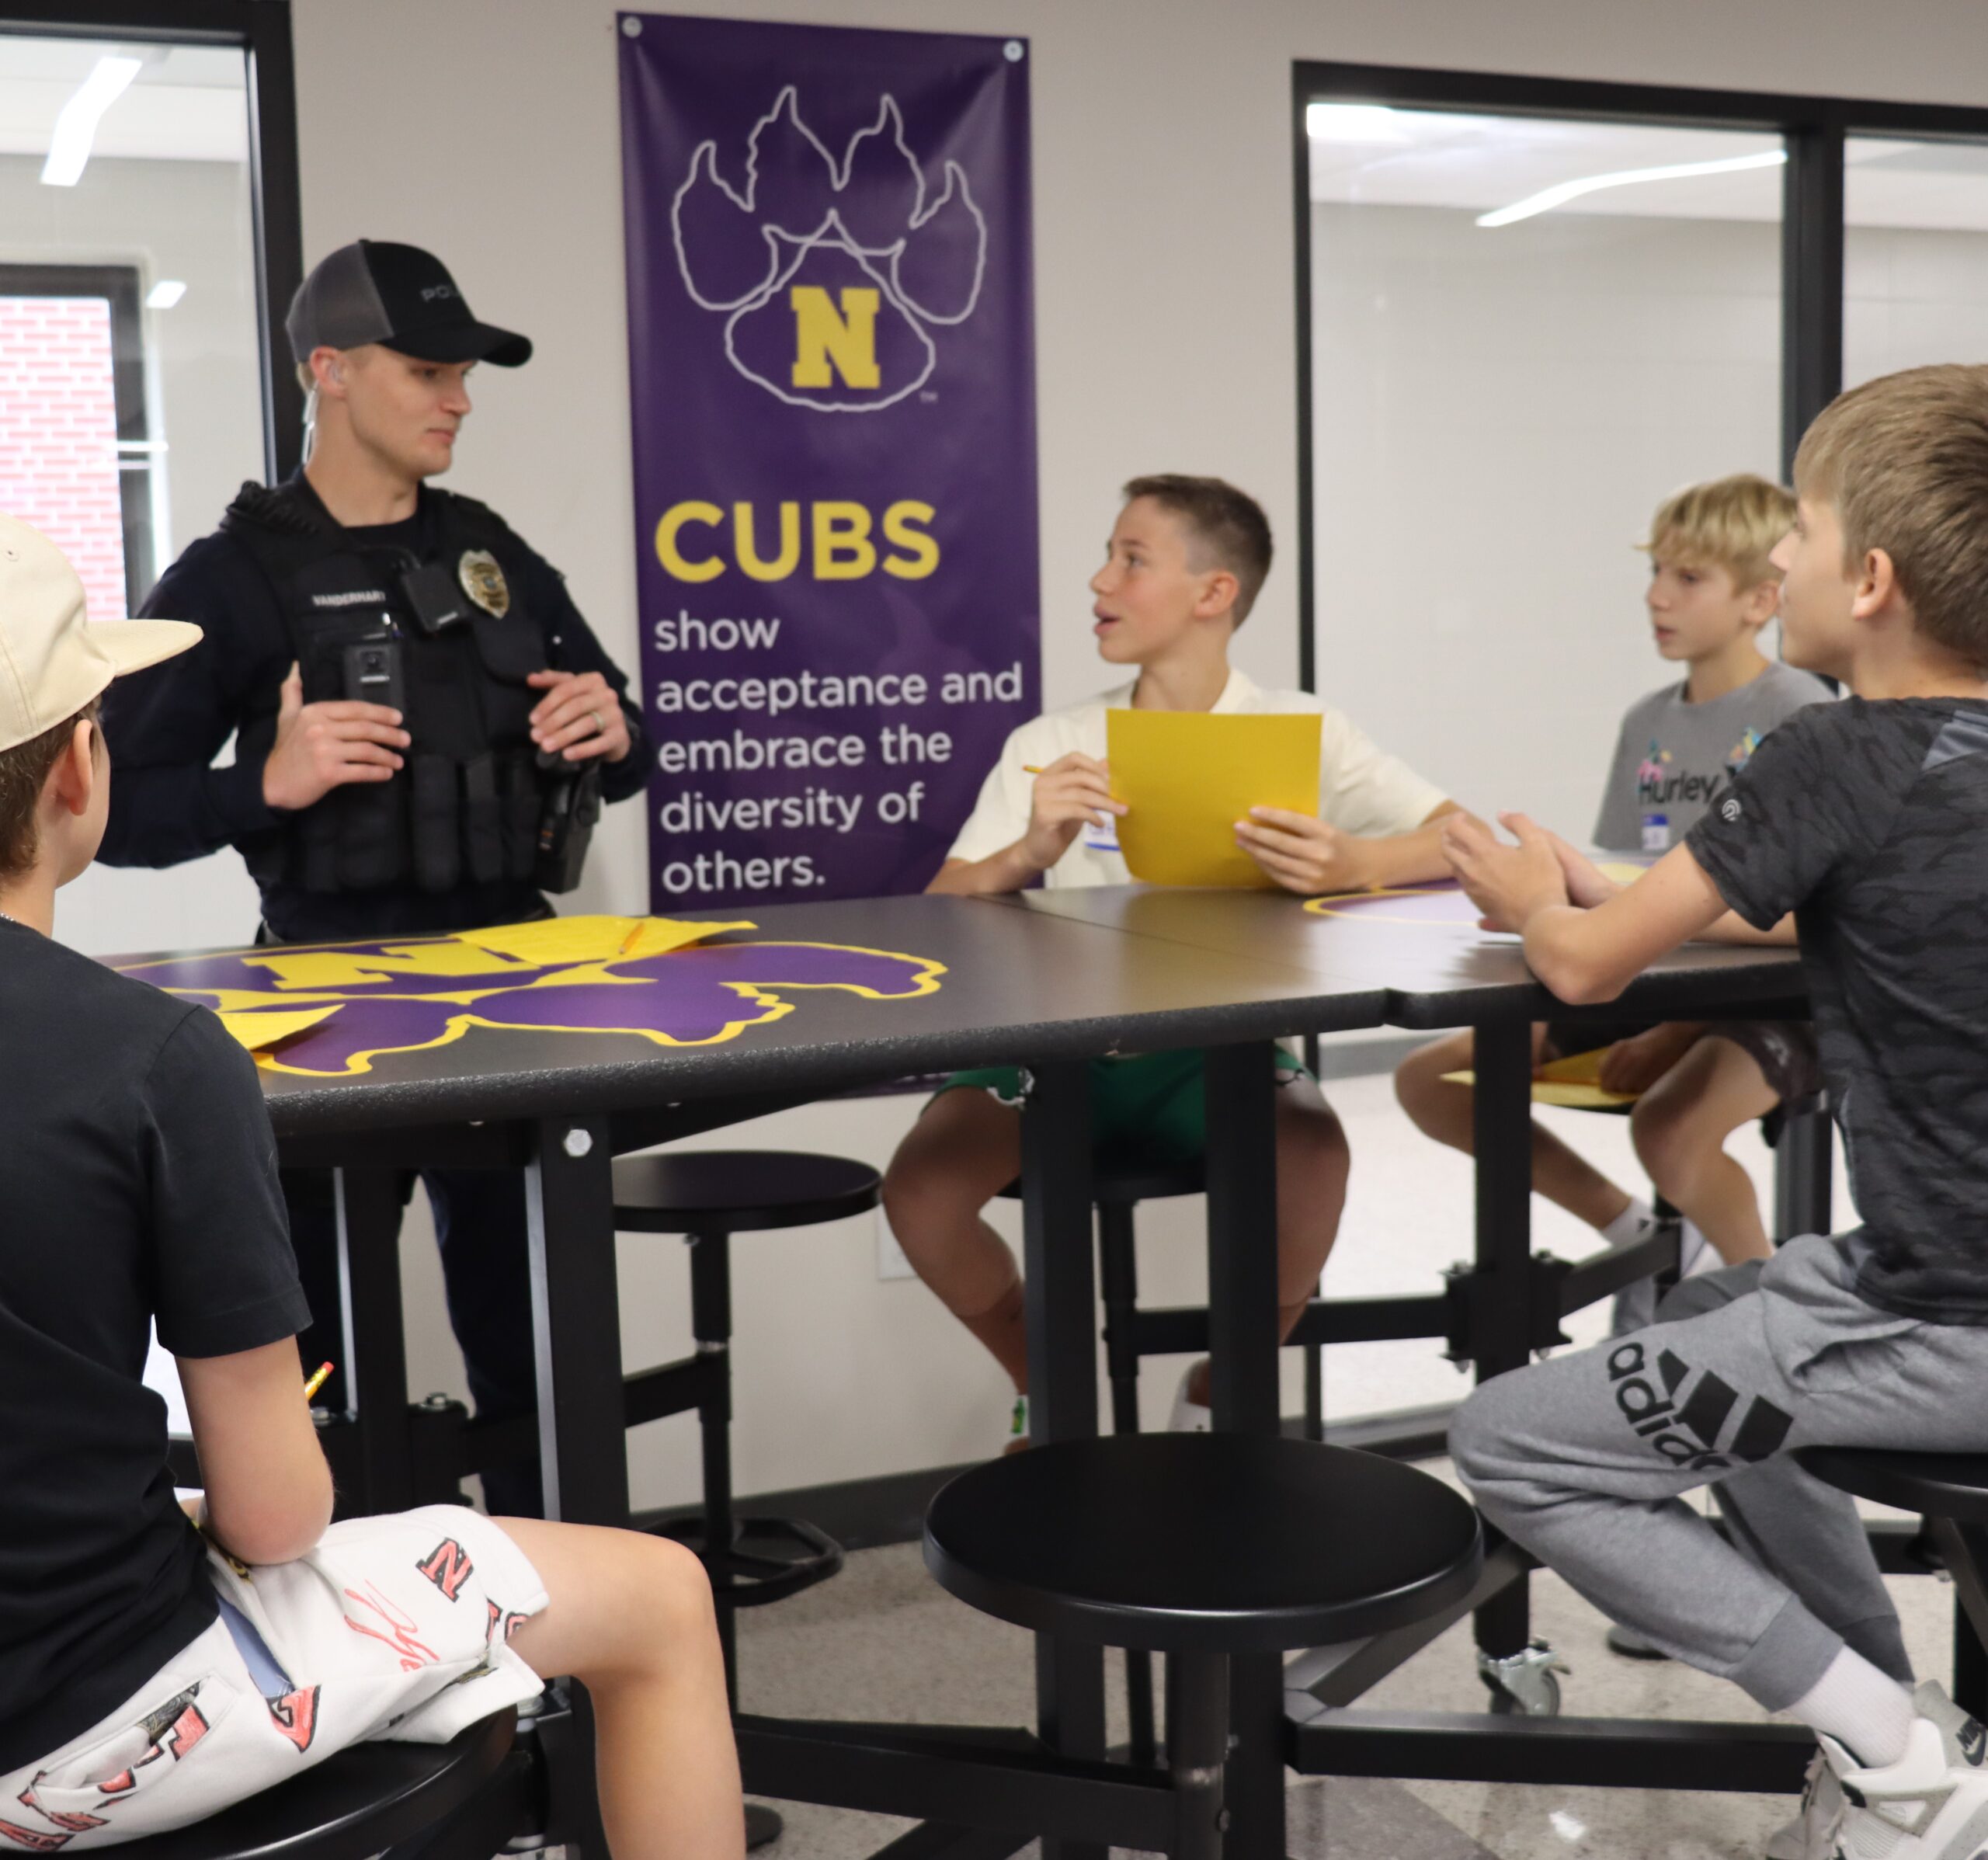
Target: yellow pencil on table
<point>316,1380</point>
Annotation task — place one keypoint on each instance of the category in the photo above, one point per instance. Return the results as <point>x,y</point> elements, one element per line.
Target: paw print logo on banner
<point>831,277</point>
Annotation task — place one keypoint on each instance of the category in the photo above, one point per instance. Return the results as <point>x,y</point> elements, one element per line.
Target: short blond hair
<point>1903,462</point>
<point>1730,523</point>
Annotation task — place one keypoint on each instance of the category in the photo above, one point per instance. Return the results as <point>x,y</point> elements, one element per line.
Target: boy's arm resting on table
<point>268,1491</point>
<point>1588,886</point>
<point>1312,857</point>
<point>1585,948</point>
<point>1073,789</point>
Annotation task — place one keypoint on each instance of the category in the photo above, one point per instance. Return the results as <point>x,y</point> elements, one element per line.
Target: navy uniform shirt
<point>164,727</point>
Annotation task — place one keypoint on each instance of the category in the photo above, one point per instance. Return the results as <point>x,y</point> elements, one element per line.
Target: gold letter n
<point>822,336</point>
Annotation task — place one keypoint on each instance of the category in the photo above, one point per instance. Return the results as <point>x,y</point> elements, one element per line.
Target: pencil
<point>317,1381</point>
<point>1031,768</point>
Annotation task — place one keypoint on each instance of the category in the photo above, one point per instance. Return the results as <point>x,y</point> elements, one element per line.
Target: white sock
<point>1628,1225</point>
<point>1861,1708</point>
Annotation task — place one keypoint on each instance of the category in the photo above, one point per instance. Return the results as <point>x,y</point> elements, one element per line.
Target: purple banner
<point>833,395</point>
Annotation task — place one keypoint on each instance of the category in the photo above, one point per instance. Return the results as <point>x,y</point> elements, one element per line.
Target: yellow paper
<point>593,939</point>
<point>1572,1083</point>
<point>256,1031</point>
<point>1187,776</point>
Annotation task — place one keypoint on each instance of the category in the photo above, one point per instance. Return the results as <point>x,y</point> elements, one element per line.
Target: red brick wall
<point>58,435</point>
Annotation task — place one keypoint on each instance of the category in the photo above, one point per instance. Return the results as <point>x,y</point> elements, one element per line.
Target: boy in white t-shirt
<point>1186,560</point>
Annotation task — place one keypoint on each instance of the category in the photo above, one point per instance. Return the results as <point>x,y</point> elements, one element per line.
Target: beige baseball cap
<point>54,660</point>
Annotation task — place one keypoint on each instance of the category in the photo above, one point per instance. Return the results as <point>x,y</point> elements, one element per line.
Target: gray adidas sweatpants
<point>1581,1459</point>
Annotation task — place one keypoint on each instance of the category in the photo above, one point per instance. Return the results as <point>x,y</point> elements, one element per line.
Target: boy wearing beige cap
<point>152,1672</point>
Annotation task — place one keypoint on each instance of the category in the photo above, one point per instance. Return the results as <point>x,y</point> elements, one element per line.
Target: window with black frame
<point>147,216</point>
<point>1528,309</point>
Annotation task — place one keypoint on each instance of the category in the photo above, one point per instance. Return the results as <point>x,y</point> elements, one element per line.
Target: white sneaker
<point>1635,1304</point>
<point>1189,1416</point>
<point>1932,1804</point>
<point>1812,1834</point>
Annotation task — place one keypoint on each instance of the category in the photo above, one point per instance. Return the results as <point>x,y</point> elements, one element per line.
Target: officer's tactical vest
<point>465,807</point>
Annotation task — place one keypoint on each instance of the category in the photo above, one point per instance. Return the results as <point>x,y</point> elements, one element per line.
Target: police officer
<point>424,727</point>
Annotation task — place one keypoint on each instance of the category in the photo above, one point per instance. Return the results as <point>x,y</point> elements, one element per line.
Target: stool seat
<point>1124,1182</point>
<point>740,1190</point>
<point>368,1798</point>
<point>1942,1485</point>
<point>1203,1542</point>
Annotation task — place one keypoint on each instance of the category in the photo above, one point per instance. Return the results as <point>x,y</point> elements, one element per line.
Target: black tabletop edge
<point>300,1106</point>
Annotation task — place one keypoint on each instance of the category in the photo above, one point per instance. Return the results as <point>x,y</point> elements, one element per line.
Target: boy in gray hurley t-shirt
<point>1711,591</point>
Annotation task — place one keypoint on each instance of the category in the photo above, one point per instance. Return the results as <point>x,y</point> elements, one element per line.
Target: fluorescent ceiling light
<point>1354,122</point>
<point>165,293</point>
<point>75,128</point>
<point>1548,198</point>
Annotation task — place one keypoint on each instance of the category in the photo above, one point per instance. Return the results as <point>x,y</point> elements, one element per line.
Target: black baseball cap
<point>372,291</point>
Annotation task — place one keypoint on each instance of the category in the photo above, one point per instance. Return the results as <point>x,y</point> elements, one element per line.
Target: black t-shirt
<point>1869,820</point>
<point>165,726</point>
<point>137,1181</point>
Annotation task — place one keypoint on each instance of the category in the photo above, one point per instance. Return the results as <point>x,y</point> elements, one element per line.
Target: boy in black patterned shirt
<point>1866,823</point>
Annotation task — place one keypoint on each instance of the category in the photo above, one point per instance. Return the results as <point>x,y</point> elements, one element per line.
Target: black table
<point>1496,1313</point>
<point>1018,987</point>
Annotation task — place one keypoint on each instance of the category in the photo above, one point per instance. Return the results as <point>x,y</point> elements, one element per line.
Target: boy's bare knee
<point>1419,1087</point>
<point>1665,1140</point>
<point>666,1594</point>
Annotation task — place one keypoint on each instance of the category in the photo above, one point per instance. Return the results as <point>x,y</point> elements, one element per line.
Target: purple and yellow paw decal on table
<point>329,1010</point>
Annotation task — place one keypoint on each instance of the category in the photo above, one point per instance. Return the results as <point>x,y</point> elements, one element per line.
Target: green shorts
<point>1151,1107</point>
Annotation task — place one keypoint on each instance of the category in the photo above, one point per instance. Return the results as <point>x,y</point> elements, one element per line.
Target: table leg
<point>1803,1177</point>
<point>1501,1314</point>
<point>1241,1194</point>
<point>368,1222</point>
<point>1061,1318</point>
<point>569,1212</point>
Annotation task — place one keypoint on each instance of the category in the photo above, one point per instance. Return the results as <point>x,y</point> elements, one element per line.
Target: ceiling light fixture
<point>1354,122</point>
<point>1548,198</point>
<point>165,293</point>
<point>75,128</point>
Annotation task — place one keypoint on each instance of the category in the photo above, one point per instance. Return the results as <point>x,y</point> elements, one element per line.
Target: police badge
<point>483,581</point>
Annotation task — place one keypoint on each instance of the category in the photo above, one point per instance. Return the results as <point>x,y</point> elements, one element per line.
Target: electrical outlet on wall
<point>891,1262</point>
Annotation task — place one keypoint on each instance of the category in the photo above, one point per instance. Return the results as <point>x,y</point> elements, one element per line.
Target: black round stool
<point>1201,1546</point>
<point>708,1196</point>
<point>367,1799</point>
<point>1950,1493</point>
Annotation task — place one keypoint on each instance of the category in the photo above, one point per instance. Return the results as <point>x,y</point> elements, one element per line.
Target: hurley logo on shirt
<point>1659,783</point>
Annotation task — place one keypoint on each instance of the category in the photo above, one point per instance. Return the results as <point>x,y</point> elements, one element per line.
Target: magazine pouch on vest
<point>368,625</point>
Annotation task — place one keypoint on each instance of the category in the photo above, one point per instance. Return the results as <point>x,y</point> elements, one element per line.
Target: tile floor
<point>883,1641</point>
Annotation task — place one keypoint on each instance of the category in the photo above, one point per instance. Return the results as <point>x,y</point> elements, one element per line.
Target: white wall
<point>488,129</point>
<point>1912,297</point>
<point>1497,415</point>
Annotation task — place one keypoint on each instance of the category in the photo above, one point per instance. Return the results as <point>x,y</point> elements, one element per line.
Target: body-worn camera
<point>569,804</point>
<point>375,672</point>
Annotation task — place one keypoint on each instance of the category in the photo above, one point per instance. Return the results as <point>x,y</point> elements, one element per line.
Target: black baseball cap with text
<point>399,296</point>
